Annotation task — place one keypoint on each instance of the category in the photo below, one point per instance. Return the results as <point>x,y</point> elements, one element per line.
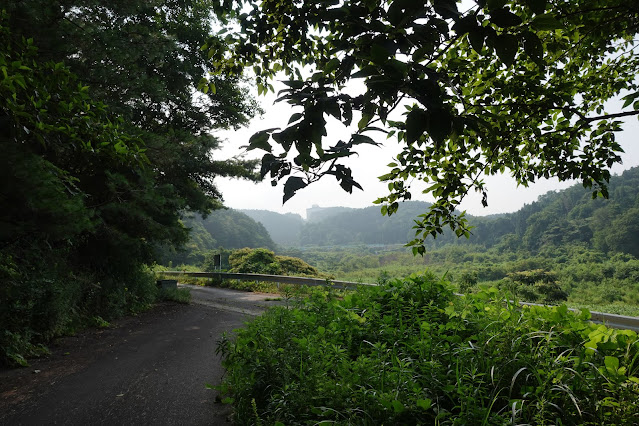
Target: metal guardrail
<point>281,279</point>
<point>616,321</point>
<point>611,320</point>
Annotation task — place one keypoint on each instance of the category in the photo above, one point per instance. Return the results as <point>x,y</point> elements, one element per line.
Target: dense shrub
<point>535,286</point>
<point>410,352</point>
<point>254,261</point>
<point>264,261</point>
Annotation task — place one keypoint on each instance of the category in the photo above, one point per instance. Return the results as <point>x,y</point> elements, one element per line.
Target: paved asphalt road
<point>150,369</point>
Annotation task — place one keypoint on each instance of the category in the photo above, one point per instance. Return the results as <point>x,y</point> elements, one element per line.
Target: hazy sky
<point>503,194</point>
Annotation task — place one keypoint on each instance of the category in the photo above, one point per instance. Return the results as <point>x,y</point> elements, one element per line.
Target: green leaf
<point>331,65</point>
<point>546,22</point>
<point>294,84</point>
<point>332,108</point>
<point>360,139</point>
<point>295,117</point>
<point>506,46</point>
<point>120,147</point>
<point>440,124</point>
<point>363,122</point>
<point>379,54</point>
<point>446,8</point>
<point>629,99</point>
<point>424,404</point>
<point>292,185</point>
<point>466,24</point>
<point>426,50</point>
<point>496,4</point>
<point>259,141</point>
<point>504,18</point>
<point>611,363</point>
<point>537,6</point>
<point>415,124</point>
<point>371,4</point>
<point>367,71</point>
<point>395,13</point>
<point>533,46</point>
<point>476,37</point>
<point>271,164</point>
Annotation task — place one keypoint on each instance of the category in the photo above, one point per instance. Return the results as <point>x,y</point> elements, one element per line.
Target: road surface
<point>151,369</point>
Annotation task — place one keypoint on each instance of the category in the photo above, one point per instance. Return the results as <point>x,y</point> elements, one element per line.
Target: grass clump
<point>410,352</point>
<point>179,295</point>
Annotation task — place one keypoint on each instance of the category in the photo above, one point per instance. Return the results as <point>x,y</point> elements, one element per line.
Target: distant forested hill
<point>572,216</point>
<point>363,226</point>
<point>318,214</point>
<point>556,218</point>
<point>283,228</point>
<point>229,229</point>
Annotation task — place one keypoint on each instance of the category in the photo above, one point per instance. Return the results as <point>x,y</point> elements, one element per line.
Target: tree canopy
<point>500,86</point>
<point>105,143</point>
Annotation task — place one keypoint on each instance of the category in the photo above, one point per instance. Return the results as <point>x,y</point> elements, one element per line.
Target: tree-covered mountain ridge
<point>221,229</point>
<point>557,217</point>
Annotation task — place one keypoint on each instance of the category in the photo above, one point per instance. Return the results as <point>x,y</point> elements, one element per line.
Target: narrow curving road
<point>150,369</point>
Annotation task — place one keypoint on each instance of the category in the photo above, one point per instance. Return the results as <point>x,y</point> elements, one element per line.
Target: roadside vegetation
<point>410,352</point>
<point>564,247</point>
<point>575,274</point>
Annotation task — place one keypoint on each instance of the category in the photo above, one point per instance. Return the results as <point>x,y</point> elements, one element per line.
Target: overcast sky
<point>503,194</point>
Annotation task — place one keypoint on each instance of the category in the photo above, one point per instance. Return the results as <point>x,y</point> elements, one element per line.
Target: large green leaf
<point>292,185</point>
<point>416,122</point>
<point>546,23</point>
<point>260,141</point>
<point>506,46</point>
<point>439,124</point>
<point>537,6</point>
<point>504,18</point>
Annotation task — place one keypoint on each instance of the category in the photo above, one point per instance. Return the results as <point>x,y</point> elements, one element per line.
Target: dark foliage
<point>104,146</point>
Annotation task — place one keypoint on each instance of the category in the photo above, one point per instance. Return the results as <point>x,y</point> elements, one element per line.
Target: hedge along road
<point>148,369</point>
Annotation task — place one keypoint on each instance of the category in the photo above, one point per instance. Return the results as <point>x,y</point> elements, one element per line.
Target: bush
<point>293,266</point>
<point>410,352</point>
<point>468,281</point>
<point>535,285</point>
<point>254,261</point>
<point>263,261</point>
